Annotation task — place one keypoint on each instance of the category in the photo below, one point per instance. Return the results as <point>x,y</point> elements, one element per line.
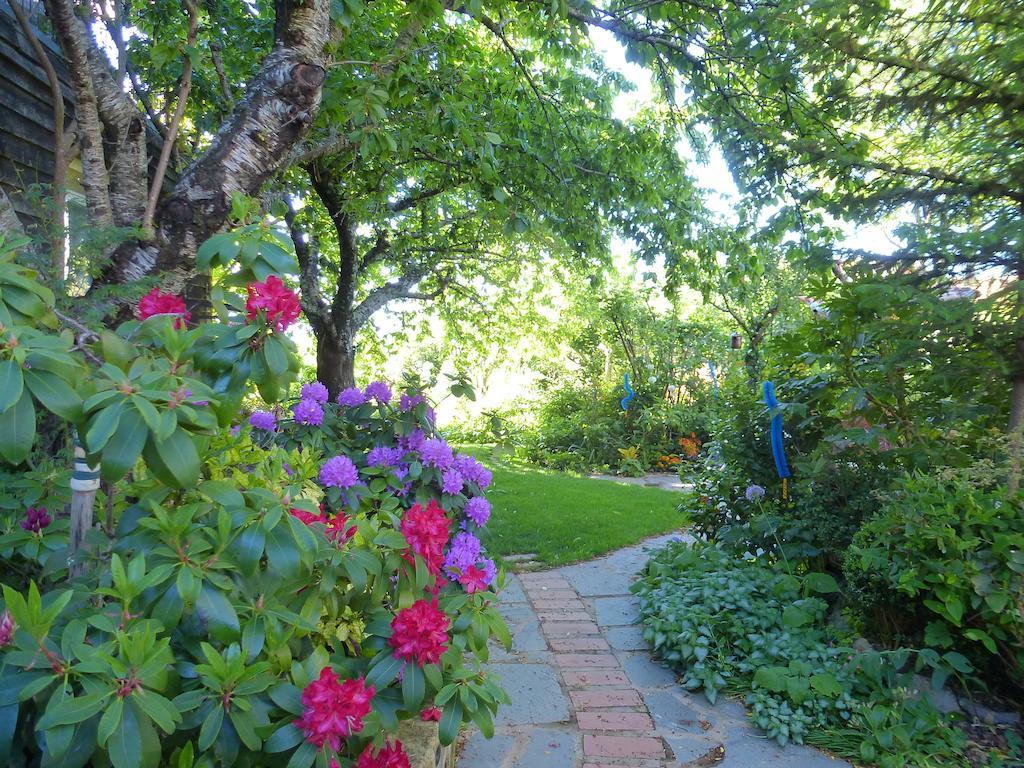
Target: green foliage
<point>217,588</point>
<point>742,626</point>
<point>958,552</point>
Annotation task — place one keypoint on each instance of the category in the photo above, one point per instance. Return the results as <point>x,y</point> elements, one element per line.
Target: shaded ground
<point>586,693</point>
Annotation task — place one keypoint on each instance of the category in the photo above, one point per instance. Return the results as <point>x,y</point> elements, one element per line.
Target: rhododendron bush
<point>276,588</point>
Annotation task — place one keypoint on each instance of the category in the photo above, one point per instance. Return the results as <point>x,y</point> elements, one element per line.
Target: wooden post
<point>85,481</point>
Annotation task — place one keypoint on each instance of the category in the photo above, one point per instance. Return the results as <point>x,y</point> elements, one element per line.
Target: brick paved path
<point>586,694</point>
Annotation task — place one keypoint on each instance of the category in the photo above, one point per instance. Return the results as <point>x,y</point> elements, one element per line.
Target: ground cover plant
<point>738,626</point>
<point>561,518</point>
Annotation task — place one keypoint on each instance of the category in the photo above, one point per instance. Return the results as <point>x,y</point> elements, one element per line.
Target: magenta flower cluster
<point>36,518</point>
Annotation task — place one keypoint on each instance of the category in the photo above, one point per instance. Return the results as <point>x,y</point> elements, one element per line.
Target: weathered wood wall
<point>26,111</point>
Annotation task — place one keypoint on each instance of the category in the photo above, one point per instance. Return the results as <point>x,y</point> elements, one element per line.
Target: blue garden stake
<point>781,465</point>
<point>714,377</point>
<point>630,393</point>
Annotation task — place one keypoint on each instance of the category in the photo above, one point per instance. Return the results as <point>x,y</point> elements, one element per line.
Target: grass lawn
<point>564,518</point>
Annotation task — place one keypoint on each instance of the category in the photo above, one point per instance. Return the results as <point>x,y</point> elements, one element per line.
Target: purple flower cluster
<point>383,456</point>
<point>308,411</point>
<point>472,470</point>
<point>407,402</point>
<point>464,552</point>
<point>478,509</point>
<point>413,441</point>
<point>339,472</point>
<point>36,518</point>
<point>435,452</point>
<point>379,391</point>
<point>264,420</point>
<point>754,492</point>
<point>452,482</point>
<point>351,397</point>
<point>314,391</point>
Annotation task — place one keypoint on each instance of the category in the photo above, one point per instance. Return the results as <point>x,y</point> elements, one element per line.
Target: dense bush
<point>957,552</point>
<point>280,592</point>
<point>744,626</point>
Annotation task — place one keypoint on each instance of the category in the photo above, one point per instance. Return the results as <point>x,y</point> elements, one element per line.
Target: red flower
<point>473,579</point>
<point>392,756</point>
<point>426,530</point>
<point>336,530</point>
<point>307,517</point>
<point>157,303</point>
<point>334,710</point>
<point>279,305</point>
<point>420,633</point>
<point>430,715</point>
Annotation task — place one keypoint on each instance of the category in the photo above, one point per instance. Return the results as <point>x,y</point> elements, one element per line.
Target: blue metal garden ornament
<point>630,393</point>
<point>781,465</point>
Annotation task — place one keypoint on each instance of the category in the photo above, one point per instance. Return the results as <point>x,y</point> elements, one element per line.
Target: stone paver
<point>586,693</point>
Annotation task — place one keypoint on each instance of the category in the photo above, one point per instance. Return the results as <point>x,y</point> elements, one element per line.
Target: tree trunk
<point>335,362</point>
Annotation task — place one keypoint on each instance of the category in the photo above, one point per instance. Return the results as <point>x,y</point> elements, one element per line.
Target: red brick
<point>622,746</point>
<point>604,697</point>
<point>586,660</point>
<point>587,678</point>
<point>556,628</point>
<point>580,644</point>
<point>559,605</point>
<point>614,721</point>
<point>546,616</point>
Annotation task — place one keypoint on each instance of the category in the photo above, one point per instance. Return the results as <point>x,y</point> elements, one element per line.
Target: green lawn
<point>564,518</point>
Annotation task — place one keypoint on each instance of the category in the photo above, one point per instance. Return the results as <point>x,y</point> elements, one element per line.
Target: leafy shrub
<point>742,626</point>
<point>280,593</point>
<point>959,552</point>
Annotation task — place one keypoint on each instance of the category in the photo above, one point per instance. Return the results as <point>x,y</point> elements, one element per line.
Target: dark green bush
<point>958,553</point>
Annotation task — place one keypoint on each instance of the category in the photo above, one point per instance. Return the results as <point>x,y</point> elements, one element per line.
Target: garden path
<point>587,694</point>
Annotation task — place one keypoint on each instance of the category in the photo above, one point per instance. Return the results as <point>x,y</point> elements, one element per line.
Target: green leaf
<point>772,678</point>
<point>303,756</point>
<point>124,447</point>
<point>284,738</point>
<point>110,721</point>
<point>18,430</point>
<point>125,744</point>
<point>55,394</point>
<point>174,461</point>
<point>413,687</point>
<point>216,610</point>
<point>822,583</point>
<point>385,670</point>
<point>794,616</point>
<point>101,427</point>
<point>12,384</point>
<point>72,711</point>
<point>826,685</point>
<point>211,727</point>
<point>451,719</point>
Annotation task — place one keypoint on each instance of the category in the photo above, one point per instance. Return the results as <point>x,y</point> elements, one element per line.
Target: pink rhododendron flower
<point>474,579</point>
<point>307,517</point>
<point>158,303</point>
<point>338,529</point>
<point>278,303</point>
<point>420,633</point>
<point>426,529</point>
<point>334,710</point>
<point>391,756</point>
<point>430,715</point>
